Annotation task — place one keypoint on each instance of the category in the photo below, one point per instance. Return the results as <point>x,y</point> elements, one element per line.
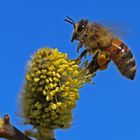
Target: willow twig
<point>10,132</point>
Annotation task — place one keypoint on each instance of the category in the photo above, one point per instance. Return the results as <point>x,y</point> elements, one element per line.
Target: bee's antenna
<point>70,20</point>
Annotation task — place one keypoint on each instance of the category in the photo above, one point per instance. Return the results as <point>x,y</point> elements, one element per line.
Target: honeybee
<point>104,47</point>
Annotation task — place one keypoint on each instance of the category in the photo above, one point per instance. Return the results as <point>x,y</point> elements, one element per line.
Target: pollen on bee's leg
<point>101,60</point>
<point>103,67</point>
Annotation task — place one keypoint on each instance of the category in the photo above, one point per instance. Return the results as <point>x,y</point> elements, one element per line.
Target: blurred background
<point>107,110</point>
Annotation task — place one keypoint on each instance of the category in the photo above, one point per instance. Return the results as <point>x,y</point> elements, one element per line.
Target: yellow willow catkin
<point>51,89</point>
<point>1,124</point>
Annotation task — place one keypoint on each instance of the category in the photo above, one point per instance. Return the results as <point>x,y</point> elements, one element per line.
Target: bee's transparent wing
<point>118,29</point>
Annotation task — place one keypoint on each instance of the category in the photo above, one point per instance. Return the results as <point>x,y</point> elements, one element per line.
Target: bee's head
<point>79,28</point>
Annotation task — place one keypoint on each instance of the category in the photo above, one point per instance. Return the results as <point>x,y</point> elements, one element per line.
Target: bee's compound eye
<point>81,28</point>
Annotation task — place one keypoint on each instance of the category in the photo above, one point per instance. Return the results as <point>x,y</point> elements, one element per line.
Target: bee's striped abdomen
<point>123,58</point>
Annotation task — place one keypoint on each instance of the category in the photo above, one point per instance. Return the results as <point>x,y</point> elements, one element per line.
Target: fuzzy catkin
<point>51,89</point>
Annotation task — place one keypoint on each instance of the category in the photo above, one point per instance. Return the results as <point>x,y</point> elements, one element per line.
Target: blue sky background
<point>108,110</point>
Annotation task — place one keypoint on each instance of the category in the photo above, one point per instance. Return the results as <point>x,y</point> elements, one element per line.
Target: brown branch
<point>10,132</point>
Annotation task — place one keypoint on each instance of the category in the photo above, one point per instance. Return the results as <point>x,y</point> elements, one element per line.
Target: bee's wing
<point>118,29</point>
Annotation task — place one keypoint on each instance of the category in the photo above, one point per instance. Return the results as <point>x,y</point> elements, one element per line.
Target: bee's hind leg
<point>103,60</point>
<point>99,61</point>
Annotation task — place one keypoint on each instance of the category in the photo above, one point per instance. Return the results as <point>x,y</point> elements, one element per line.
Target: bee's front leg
<point>79,46</point>
<point>81,42</point>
